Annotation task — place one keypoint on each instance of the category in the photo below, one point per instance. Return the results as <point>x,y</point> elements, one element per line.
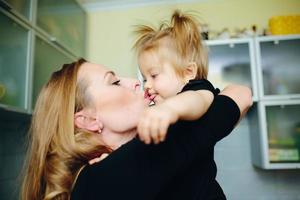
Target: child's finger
<point>142,131</point>
<point>95,160</point>
<point>155,138</point>
<point>163,130</point>
<point>147,132</point>
<point>139,130</point>
<point>155,131</point>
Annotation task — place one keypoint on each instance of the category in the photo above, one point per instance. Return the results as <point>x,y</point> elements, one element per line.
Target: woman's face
<point>117,102</point>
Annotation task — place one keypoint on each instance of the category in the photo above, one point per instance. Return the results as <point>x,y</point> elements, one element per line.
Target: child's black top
<point>136,171</point>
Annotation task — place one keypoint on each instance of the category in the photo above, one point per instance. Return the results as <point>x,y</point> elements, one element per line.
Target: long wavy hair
<point>179,42</point>
<point>57,149</point>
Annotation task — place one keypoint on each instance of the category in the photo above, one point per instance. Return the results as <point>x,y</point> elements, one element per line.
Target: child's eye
<point>116,82</point>
<point>144,80</point>
<point>154,75</point>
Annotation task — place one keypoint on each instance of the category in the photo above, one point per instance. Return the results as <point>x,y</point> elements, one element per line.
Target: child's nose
<point>147,85</point>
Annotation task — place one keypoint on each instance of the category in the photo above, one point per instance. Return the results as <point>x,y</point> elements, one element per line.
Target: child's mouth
<point>149,97</point>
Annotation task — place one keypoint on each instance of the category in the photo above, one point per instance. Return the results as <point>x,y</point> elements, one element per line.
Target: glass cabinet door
<point>21,6</point>
<point>280,66</point>
<point>13,62</point>
<point>45,65</point>
<point>283,130</point>
<point>230,63</point>
<point>64,20</point>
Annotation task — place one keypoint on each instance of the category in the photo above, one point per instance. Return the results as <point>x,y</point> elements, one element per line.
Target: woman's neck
<point>115,140</point>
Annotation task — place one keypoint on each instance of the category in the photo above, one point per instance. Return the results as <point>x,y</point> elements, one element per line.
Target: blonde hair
<point>58,150</point>
<point>180,42</point>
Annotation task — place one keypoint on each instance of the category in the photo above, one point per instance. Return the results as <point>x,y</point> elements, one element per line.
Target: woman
<point>99,115</point>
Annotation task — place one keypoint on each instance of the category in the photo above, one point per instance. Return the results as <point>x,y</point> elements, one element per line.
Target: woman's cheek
<point>127,112</point>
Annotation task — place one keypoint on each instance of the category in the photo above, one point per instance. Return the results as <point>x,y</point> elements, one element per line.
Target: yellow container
<point>281,25</point>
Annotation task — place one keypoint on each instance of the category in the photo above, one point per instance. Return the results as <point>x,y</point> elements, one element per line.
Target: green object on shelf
<point>2,91</point>
<point>277,155</point>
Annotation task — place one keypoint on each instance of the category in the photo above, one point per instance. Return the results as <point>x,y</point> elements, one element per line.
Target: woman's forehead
<point>91,70</point>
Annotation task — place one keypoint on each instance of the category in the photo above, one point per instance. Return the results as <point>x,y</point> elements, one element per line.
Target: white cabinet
<point>275,134</point>
<point>278,109</point>
<point>278,63</point>
<point>270,66</point>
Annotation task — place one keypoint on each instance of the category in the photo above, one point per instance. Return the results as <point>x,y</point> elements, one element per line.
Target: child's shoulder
<point>200,84</point>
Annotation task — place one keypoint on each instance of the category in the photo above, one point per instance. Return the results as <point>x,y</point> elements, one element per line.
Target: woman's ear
<point>84,121</point>
<point>190,72</point>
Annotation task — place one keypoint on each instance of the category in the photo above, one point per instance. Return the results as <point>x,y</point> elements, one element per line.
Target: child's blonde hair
<point>179,42</point>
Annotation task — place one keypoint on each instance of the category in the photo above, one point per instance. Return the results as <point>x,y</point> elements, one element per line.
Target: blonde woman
<point>86,110</point>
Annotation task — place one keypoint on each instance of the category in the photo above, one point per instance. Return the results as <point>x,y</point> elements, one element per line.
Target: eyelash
<point>152,76</point>
<point>116,82</point>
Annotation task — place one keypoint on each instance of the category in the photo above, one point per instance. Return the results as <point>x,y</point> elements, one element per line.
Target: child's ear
<point>84,121</point>
<point>190,72</point>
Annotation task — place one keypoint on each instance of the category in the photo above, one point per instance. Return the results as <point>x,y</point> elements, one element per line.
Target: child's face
<point>160,78</point>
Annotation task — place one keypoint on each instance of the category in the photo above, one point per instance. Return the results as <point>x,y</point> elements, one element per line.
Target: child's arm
<point>188,105</point>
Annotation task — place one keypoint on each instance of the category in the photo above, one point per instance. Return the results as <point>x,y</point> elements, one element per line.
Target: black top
<point>137,171</point>
<point>198,181</point>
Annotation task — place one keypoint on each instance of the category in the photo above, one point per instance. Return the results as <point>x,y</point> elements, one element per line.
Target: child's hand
<point>154,123</point>
<point>98,159</point>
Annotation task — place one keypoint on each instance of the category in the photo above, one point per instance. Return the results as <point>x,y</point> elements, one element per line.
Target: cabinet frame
<point>250,42</point>
<point>258,115</point>
<point>258,57</point>
<point>259,137</point>
<point>30,24</point>
<point>23,24</point>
